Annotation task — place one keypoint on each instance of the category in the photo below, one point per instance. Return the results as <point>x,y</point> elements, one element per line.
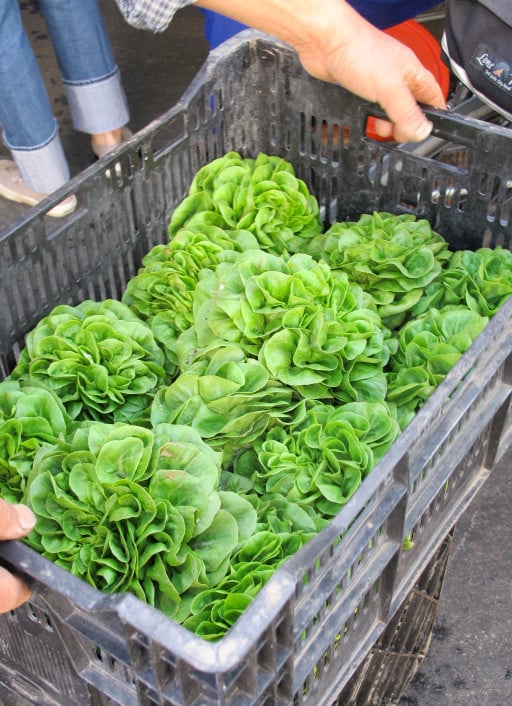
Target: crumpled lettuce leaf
<point>228,397</point>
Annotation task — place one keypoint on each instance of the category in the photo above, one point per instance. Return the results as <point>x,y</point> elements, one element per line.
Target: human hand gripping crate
<point>314,621</point>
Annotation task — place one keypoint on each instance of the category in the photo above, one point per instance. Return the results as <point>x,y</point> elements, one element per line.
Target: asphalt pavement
<point>470,658</point>
<point>469,662</point>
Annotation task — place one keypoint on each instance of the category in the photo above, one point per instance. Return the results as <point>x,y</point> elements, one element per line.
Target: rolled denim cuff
<point>99,106</point>
<point>44,169</point>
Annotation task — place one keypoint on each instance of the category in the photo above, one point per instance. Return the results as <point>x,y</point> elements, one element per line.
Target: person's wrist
<point>323,27</point>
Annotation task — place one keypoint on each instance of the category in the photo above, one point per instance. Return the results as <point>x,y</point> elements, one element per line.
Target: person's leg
<point>90,75</point>
<point>29,127</point>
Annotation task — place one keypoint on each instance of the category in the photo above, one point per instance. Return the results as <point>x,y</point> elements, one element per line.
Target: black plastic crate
<point>315,622</point>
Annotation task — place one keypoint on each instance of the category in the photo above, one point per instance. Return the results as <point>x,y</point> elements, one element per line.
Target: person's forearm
<point>284,19</point>
<point>299,23</point>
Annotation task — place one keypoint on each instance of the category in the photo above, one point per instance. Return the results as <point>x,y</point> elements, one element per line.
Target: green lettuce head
<point>320,461</point>
<point>99,358</point>
<point>214,611</point>
<point>31,416</point>
<point>228,397</point>
<point>262,196</point>
<point>429,346</point>
<point>162,291</point>
<point>480,280</point>
<point>312,329</point>
<point>392,257</point>
<point>132,509</point>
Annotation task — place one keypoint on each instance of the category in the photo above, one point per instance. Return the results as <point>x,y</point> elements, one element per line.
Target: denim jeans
<point>90,79</point>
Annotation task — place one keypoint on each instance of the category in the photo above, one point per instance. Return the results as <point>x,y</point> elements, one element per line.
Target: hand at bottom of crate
<point>15,522</point>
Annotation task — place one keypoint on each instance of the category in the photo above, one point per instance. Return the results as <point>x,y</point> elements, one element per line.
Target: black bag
<point>477,46</point>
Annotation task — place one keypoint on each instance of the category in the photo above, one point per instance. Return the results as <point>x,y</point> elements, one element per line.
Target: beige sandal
<point>13,188</point>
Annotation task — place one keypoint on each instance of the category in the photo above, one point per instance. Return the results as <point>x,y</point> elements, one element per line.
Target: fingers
<point>400,103</point>
<point>425,88</point>
<point>15,520</point>
<point>409,122</point>
<point>13,592</point>
<point>383,128</point>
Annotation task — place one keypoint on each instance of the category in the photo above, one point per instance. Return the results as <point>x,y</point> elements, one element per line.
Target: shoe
<point>101,150</point>
<point>13,188</point>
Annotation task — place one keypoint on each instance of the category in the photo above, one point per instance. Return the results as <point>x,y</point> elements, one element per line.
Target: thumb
<point>400,102</point>
<point>15,520</point>
<point>409,121</point>
<point>13,592</point>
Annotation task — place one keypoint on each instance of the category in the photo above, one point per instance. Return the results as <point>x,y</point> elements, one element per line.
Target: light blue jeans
<point>90,78</point>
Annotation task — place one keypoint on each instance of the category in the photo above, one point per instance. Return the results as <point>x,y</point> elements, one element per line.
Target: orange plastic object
<point>427,49</point>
